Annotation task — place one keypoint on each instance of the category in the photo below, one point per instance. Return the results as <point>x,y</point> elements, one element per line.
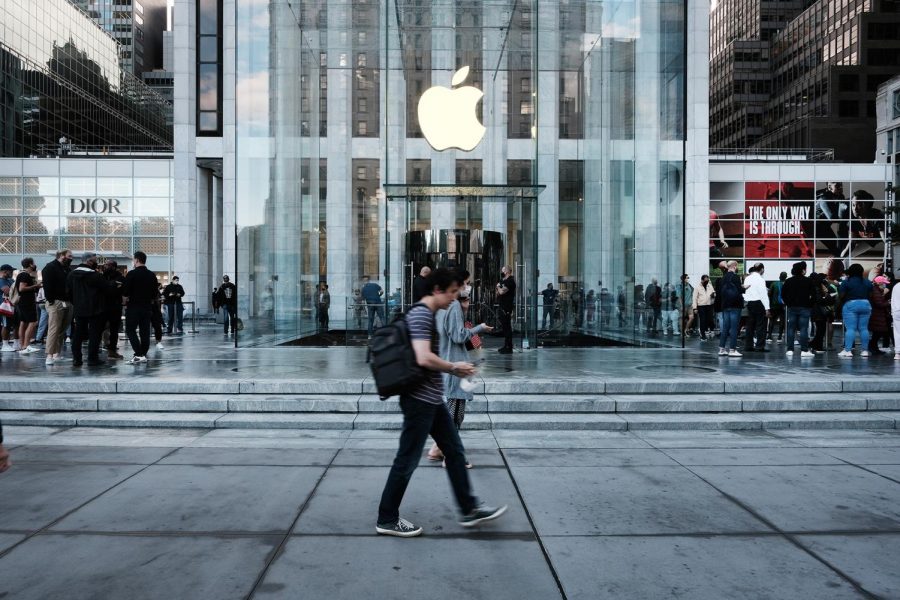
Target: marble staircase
<point>500,403</point>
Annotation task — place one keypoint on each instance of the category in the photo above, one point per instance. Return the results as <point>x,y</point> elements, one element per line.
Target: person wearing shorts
<point>26,308</point>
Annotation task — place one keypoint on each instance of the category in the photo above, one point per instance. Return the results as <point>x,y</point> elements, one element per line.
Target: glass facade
<point>113,215</point>
<point>60,77</point>
<point>565,162</point>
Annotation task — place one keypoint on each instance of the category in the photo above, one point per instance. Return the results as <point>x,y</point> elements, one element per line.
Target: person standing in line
<point>451,326</point>
<point>798,294</point>
<point>424,413</point>
<point>41,334</point>
<point>506,292</point>
<point>702,303</point>
<point>880,321</point>
<point>172,295</point>
<point>323,304</point>
<point>671,310</point>
<point>853,297</point>
<point>653,300</point>
<point>9,329</point>
<point>549,304</point>
<point>621,305</point>
<point>686,294</point>
<point>139,293</point>
<point>113,308</point>
<point>732,301</point>
<point>776,304</point>
<point>87,288</point>
<point>26,308</point>
<point>59,305</point>
<point>372,293</point>
<point>606,307</point>
<point>228,301</point>
<point>757,298</point>
<point>420,284</point>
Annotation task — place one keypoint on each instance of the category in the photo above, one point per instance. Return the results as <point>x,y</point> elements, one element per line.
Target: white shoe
<point>734,353</point>
<point>897,357</point>
<point>845,354</point>
<point>864,353</point>
<point>8,348</point>
<point>136,360</point>
<point>49,360</point>
<point>807,354</point>
<point>159,346</point>
<point>790,352</point>
<point>723,352</point>
<point>30,350</point>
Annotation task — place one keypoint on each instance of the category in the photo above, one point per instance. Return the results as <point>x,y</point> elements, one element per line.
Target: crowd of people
<point>84,305</point>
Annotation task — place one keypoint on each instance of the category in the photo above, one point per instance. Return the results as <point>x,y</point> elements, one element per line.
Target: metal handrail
<point>82,150</point>
<point>811,154</point>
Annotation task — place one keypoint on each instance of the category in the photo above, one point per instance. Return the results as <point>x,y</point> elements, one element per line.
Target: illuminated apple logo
<point>447,116</point>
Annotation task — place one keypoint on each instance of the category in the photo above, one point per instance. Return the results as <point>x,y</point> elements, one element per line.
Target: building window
<point>361,128</point>
<point>363,106</point>
<point>895,105</point>
<point>209,68</point>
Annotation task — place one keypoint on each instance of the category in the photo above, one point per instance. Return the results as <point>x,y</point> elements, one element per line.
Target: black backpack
<point>393,360</point>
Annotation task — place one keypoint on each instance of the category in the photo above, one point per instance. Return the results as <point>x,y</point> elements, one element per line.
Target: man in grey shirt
<point>424,413</point>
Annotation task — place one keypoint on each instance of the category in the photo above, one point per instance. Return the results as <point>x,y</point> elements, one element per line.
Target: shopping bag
<point>6,308</point>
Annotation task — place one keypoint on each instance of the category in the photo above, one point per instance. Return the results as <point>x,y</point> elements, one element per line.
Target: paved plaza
<point>222,514</point>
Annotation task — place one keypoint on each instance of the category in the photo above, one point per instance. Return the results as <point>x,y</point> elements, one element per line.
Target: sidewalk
<point>239,514</point>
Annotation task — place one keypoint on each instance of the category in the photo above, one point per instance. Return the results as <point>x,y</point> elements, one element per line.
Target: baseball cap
<point>882,280</point>
<point>6,268</point>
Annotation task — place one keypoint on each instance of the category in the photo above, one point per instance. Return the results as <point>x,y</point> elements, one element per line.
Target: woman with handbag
<point>454,335</point>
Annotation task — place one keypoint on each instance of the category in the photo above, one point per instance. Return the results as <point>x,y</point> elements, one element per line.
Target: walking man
<point>424,412</point>
<point>549,295</point>
<point>757,297</point>
<point>228,301</point>
<point>87,288</point>
<point>420,284</point>
<point>506,291</point>
<point>173,293</point>
<point>113,308</point>
<point>59,306</point>
<point>139,293</point>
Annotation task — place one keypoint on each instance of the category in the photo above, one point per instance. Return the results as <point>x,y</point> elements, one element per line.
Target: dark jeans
<point>655,318</point>
<point>323,317</point>
<point>778,317</point>
<point>797,318</point>
<point>705,319</point>
<point>230,315</point>
<point>373,310</point>
<point>506,327</point>
<point>821,325</point>
<point>90,328</point>
<point>756,325</point>
<point>114,320</point>
<point>174,313</point>
<point>548,312</point>
<point>419,420</point>
<point>156,321</point>
<point>137,320</point>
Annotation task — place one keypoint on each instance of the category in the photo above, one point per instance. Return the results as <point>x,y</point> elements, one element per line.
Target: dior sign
<point>95,206</point>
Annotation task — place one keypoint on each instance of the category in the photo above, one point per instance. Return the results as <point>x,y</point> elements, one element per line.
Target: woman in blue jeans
<point>856,309</point>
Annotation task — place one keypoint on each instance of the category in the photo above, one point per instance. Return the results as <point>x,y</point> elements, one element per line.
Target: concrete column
<point>495,143</point>
<point>226,202</point>
<point>443,65</point>
<point>184,132</point>
<point>393,168</point>
<point>696,245</point>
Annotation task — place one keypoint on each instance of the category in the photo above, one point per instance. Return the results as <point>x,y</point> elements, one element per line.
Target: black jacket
<point>141,287</point>
<point>54,276</point>
<point>114,292</point>
<point>227,294</point>
<point>798,291</point>
<point>173,288</point>
<point>420,288</point>
<point>87,288</point>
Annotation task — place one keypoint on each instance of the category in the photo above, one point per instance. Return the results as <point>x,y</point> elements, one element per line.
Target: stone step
<point>786,383</point>
<point>495,421</point>
<point>493,404</point>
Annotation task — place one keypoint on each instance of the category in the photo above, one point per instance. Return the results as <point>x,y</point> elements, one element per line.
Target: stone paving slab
<point>394,421</point>
<point>635,421</point>
<point>714,439</point>
<point>676,403</point>
<point>90,567</point>
<point>783,385</point>
<point>750,456</point>
<point>641,385</point>
<point>529,403</point>
<point>889,471</point>
<point>309,403</point>
<point>187,385</point>
<point>819,421</point>
<point>346,502</point>
<point>568,439</point>
<point>504,569</point>
<point>286,420</point>
<point>302,386</point>
<point>562,421</point>
<point>870,560</point>
<point>384,457</point>
<point>52,490</point>
<point>8,540</point>
<point>812,497</point>
<point>209,498</point>
<point>803,402</point>
<point>582,457</point>
<point>149,419</point>
<point>24,401</point>
<point>841,438</point>
<point>90,454</point>
<point>163,402</point>
<point>627,500</point>
<point>699,568</point>
<point>878,401</point>
<point>276,457</point>
<point>866,456</point>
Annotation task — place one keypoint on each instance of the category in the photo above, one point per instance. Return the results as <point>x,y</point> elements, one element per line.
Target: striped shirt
<point>421,325</point>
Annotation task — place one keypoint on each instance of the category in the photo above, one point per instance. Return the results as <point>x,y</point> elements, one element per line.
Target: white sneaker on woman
<point>845,354</point>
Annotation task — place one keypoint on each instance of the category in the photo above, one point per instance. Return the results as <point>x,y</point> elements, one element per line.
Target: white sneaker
<point>897,357</point>
<point>807,354</point>
<point>734,353</point>
<point>49,360</point>
<point>790,352</point>
<point>159,346</point>
<point>30,350</point>
<point>8,348</point>
<point>136,360</point>
<point>864,353</point>
<point>723,352</point>
<point>845,354</point>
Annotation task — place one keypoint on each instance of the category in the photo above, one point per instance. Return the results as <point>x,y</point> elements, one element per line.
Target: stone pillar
<point>443,164</point>
<point>548,142</point>
<point>696,211</point>
<point>393,168</point>
<point>495,144</point>
<point>185,160</point>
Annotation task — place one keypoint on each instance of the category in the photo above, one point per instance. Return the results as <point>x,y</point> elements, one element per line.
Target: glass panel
<point>151,187</point>
<point>209,16</point>
<point>152,245</point>
<point>114,186</point>
<point>209,49</point>
<point>208,94</point>
<point>209,121</point>
<point>10,205</point>
<point>40,186</point>
<point>78,186</point>
<point>151,207</point>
